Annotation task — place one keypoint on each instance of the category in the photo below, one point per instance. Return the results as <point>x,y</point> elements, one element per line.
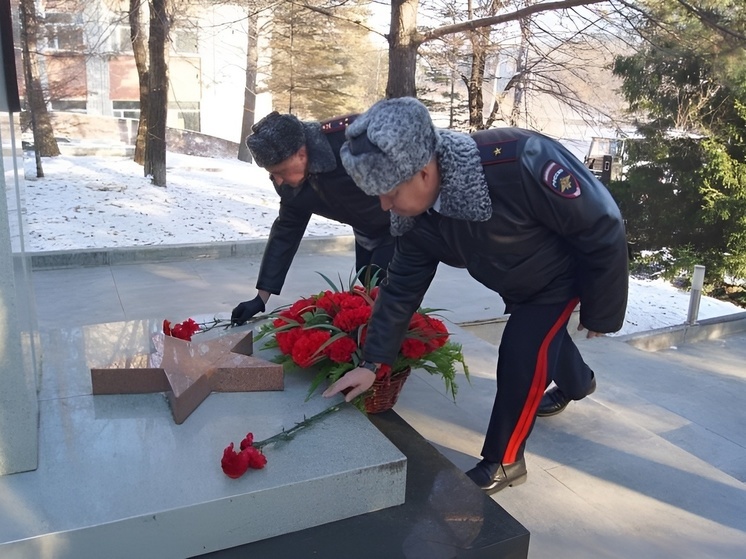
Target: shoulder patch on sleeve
<point>337,124</point>
<point>498,152</point>
<point>560,181</point>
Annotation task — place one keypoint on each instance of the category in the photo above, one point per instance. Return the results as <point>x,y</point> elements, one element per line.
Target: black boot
<point>491,477</point>
<point>554,400</point>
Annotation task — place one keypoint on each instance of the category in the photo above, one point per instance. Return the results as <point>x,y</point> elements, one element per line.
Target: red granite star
<point>189,371</point>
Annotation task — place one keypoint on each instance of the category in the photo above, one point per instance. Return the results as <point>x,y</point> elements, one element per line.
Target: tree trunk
<point>155,149</point>
<point>45,145</point>
<point>403,44</point>
<point>138,36</point>
<point>476,80</point>
<point>249,95</point>
<point>522,71</point>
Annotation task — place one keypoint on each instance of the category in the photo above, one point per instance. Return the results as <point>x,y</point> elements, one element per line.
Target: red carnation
<point>437,334</point>
<point>234,464</point>
<point>351,301</point>
<point>327,302</point>
<point>335,332</point>
<point>183,331</point>
<point>417,322</point>
<point>256,459</point>
<point>297,309</point>
<point>341,350</point>
<point>286,340</point>
<point>349,319</point>
<point>306,349</point>
<point>247,441</point>
<point>383,371</point>
<point>413,348</point>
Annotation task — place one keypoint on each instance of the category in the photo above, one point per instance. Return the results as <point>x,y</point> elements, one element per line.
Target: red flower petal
<point>413,349</point>
<point>178,331</point>
<point>255,458</point>
<point>234,464</point>
<point>305,351</point>
<point>248,441</point>
<point>341,350</point>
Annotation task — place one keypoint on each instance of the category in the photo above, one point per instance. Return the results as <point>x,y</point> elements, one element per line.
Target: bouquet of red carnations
<point>327,331</point>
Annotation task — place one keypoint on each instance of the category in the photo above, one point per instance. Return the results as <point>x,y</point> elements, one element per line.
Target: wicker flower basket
<point>385,392</point>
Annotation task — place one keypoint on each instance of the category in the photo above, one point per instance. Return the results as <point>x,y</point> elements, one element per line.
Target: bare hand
<point>591,333</point>
<point>357,381</point>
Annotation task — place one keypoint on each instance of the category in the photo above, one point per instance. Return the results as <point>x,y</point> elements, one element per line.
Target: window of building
<point>63,32</point>
<point>71,106</point>
<point>186,115</point>
<point>126,109</point>
<point>120,39</point>
<point>184,40</point>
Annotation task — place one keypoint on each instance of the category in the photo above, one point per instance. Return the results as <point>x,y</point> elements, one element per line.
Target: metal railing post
<point>695,295</point>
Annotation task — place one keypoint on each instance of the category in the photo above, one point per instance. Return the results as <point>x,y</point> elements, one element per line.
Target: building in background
<point>88,65</point>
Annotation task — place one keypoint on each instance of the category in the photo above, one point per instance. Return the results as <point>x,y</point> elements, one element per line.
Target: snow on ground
<point>88,202</point>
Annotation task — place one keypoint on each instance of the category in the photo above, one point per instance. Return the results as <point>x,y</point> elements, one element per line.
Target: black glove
<point>246,310</point>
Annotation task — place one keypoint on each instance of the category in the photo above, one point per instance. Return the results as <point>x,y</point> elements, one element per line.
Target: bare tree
<point>45,143</point>
<point>249,104</point>
<point>139,38</point>
<point>521,71</point>
<point>405,39</point>
<point>155,147</point>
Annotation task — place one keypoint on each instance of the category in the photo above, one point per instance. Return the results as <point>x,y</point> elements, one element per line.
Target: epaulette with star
<point>498,152</point>
<point>337,124</point>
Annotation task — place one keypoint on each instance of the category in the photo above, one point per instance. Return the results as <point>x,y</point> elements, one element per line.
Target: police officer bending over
<point>303,163</point>
<point>527,220</point>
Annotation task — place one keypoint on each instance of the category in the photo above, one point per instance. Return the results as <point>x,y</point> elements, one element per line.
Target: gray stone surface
<point>650,466</point>
<point>118,478</point>
<point>18,403</point>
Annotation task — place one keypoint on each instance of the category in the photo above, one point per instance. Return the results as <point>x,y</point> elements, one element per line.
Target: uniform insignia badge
<point>498,152</point>
<point>560,180</point>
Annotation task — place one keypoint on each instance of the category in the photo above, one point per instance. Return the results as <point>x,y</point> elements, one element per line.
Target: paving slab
<point>649,466</point>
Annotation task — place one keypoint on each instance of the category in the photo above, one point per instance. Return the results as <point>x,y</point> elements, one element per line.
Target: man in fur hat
<point>527,220</point>
<point>303,163</point>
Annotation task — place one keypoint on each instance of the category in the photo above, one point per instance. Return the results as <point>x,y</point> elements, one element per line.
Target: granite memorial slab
<point>118,478</point>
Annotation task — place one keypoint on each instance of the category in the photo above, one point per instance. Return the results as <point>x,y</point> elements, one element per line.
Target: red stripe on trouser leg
<point>538,385</point>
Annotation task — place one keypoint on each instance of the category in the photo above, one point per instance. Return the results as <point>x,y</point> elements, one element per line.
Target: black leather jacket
<point>550,238</point>
<point>328,191</point>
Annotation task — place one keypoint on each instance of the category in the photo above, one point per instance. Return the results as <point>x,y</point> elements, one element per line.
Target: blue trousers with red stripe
<point>534,350</point>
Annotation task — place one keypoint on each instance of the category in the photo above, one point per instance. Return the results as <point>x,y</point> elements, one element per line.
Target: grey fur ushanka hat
<point>388,144</point>
<point>275,138</point>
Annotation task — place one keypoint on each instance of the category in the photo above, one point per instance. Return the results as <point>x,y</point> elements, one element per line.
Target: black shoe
<point>554,400</point>
<point>491,477</point>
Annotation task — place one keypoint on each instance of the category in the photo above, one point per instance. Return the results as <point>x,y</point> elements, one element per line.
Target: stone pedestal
<point>117,477</point>
<point>18,404</point>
